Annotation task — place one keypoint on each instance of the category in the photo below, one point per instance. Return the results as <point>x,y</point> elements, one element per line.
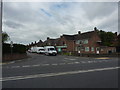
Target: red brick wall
<point>69,43</point>
<point>92,42</point>
<point>9,57</point>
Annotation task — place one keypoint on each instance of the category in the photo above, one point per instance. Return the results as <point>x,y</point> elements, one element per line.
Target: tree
<point>5,37</point>
<point>107,38</point>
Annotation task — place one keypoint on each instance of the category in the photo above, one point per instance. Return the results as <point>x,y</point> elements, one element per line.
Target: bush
<point>17,48</point>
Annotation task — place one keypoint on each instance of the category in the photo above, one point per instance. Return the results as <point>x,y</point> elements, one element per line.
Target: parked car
<point>50,50</point>
<point>40,50</point>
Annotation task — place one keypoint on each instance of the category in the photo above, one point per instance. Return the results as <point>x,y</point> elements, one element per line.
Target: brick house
<point>86,43</point>
<point>35,44</point>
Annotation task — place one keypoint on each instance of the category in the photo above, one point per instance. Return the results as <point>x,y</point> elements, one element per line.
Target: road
<point>40,71</point>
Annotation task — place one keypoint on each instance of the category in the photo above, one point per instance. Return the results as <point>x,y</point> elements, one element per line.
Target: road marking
<point>90,61</point>
<point>55,74</point>
<point>77,57</point>
<point>70,63</point>
<point>26,66</point>
<point>66,58</point>
<point>15,66</point>
<point>12,62</point>
<point>36,65</point>
<point>76,62</point>
<point>94,61</point>
<point>83,62</point>
<point>72,59</point>
<point>103,58</point>
<point>54,64</point>
<point>61,63</point>
<point>45,64</point>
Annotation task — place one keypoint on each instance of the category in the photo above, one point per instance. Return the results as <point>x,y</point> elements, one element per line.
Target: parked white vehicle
<point>40,50</point>
<point>33,49</point>
<point>50,50</point>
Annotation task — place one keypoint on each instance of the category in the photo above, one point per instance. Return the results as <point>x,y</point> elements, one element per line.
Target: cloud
<point>31,21</point>
<point>12,24</point>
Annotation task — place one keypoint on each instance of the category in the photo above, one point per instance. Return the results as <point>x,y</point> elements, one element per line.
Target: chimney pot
<point>79,32</point>
<point>48,38</point>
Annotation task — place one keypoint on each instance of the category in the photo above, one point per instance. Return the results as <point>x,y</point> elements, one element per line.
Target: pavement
<point>60,72</point>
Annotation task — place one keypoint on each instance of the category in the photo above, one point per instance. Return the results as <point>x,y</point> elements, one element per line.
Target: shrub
<point>17,48</point>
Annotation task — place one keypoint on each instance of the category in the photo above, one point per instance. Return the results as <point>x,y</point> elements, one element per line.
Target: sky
<point>26,22</point>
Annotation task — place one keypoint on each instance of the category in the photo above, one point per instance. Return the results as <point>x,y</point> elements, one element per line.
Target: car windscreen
<point>41,49</point>
<point>51,49</point>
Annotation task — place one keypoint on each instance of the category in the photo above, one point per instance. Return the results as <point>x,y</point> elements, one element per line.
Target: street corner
<point>102,58</point>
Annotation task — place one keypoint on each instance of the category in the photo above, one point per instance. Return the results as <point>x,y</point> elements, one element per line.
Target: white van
<point>50,50</point>
<point>33,49</point>
<point>40,50</point>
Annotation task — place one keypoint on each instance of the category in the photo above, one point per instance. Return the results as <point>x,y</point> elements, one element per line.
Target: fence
<point>18,51</point>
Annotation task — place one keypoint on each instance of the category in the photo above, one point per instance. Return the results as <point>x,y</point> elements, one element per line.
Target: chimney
<point>95,29</point>
<point>61,36</point>
<point>35,42</point>
<point>116,33</point>
<point>79,32</point>
<point>48,38</point>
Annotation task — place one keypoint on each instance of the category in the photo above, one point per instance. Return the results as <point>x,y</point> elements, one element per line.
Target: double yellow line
<point>3,63</point>
<point>103,58</point>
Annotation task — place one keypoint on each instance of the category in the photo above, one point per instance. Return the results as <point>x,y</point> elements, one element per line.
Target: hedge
<point>17,48</point>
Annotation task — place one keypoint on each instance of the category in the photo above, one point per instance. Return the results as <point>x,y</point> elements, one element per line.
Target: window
<point>51,49</point>
<point>79,42</point>
<point>76,48</point>
<point>86,41</point>
<point>92,48</point>
<point>86,48</point>
<point>102,49</point>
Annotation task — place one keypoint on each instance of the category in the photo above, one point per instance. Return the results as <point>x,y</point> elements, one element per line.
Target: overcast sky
<point>26,22</point>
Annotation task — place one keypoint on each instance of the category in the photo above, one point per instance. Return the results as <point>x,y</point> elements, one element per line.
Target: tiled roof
<point>79,36</point>
<point>68,37</point>
<point>84,35</point>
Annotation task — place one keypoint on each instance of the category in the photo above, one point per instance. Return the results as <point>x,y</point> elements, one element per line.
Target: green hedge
<point>17,48</point>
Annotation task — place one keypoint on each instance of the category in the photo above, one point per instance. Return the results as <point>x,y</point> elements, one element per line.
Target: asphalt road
<point>42,71</point>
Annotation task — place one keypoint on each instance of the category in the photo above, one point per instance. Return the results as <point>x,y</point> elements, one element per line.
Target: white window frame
<point>92,49</point>
<point>87,49</point>
<point>86,41</point>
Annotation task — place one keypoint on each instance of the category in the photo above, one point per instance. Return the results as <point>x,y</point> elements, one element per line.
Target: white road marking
<point>15,66</point>
<point>26,66</point>
<point>72,59</point>
<point>36,65</point>
<point>12,62</point>
<point>66,58</point>
<point>70,63</point>
<point>90,61</point>
<point>54,64</point>
<point>76,62</point>
<point>56,74</point>
<point>61,63</point>
<point>83,62</point>
<point>77,57</point>
<point>94,61</point>
<point>45,64</point>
